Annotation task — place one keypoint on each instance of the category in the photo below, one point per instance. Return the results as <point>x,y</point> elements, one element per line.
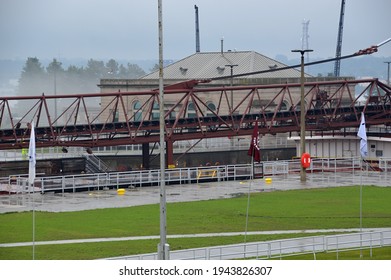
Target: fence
<point>182,175</point>
<point>281,248</point>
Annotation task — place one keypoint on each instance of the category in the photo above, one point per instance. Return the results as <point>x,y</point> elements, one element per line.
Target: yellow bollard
<point>121,191</point>
<point>268,180</point>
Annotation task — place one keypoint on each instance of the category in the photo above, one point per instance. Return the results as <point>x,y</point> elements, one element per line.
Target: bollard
<point>121,191</point>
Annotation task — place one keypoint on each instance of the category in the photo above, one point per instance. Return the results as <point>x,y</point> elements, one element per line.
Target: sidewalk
<point>110,239</point>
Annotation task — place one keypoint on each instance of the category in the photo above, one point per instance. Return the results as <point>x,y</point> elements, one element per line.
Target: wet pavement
<point>61,202</point>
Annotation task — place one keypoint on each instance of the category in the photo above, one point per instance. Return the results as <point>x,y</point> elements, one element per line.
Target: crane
<point>337,64</point>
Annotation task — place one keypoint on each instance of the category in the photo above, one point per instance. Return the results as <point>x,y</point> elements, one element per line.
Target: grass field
<point>325,208</point>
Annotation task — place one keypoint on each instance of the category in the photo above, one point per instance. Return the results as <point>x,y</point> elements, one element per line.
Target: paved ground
<point>213,190</point>
<point>149,195</point>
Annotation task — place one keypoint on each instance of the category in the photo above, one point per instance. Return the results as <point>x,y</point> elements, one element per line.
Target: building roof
<point>206,65</point>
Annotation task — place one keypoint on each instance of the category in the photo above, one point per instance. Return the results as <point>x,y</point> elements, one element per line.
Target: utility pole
<point>302,113</point>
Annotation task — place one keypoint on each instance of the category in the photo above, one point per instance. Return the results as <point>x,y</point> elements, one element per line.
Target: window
<point>136,111</point>
<point>211,108</point>
<point>155,111</point>
<point>191,110</point>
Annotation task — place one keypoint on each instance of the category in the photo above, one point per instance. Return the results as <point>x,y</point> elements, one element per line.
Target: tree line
<point>36,79</point>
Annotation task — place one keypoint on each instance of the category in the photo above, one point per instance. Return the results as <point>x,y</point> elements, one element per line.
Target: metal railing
<point>180,175</point>
<point>281,248</point>
<point>385,164</point>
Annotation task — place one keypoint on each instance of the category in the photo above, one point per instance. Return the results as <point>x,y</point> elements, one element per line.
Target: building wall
<point>140,85</point>
<point>349,146</point>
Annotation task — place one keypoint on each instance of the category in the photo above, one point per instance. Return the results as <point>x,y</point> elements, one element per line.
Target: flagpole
<point>248,195</point>
<point>253,146</point>
<point>363,153</point>
<point>31,177</point>
<point>361,209</point>
<point>33,225</point>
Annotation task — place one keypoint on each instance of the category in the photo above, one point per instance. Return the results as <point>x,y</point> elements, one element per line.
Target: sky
<point>128,29</point>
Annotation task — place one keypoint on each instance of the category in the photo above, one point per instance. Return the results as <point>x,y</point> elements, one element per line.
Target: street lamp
<point>232,81</point>
<point>388,72</point>
<point>163,246</point>
<point>302,112</point>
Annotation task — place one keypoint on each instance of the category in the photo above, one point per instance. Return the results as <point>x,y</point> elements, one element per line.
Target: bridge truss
<point>331,106</point>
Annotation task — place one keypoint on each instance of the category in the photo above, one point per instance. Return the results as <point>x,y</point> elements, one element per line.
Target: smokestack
<point>197,29</point>
<point>222,45</point>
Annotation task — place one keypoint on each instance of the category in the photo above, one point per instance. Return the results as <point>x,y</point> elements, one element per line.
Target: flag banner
<point>254,150</point>
<point>32,159</point>
<point>362,133</point>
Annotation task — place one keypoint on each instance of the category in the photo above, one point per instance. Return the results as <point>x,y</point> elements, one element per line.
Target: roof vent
<point>183,70</point>
<point>220,69</point>
<point>273,66</point>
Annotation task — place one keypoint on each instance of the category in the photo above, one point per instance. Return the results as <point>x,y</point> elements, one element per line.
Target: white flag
<point>32,159</point>
<point>362,133</point>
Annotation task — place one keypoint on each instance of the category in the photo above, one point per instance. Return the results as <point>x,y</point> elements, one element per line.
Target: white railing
<point>281,248</point>
<point>385,164</point>
<point>180,175</point>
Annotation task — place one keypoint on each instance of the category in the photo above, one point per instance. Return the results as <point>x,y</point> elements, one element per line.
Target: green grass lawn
<point>325,208</point>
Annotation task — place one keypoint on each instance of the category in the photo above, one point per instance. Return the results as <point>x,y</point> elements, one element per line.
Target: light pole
<point>163,247</point>
<point>232,95</point>
<point>232,82</point>
<point>388,72</point>
<point>302,113</point>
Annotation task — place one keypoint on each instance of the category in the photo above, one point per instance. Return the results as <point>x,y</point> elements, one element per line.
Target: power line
<point>369,50</point>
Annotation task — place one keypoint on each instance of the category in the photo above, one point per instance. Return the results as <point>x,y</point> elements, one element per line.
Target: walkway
<point>221,234</point>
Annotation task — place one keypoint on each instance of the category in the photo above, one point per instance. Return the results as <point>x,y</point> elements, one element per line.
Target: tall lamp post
<point>163,246</point>
<point>302,112</point>
<point>388,72</point>
<point>232,82</point>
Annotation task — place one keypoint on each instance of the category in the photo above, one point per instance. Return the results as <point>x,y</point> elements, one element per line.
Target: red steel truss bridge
<point>331,107</point>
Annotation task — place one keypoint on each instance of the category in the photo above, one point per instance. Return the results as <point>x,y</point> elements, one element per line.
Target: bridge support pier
<point>145,151</point>
<point>170,153</point>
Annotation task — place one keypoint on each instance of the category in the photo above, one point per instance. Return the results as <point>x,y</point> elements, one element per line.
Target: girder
<point>330,106</point>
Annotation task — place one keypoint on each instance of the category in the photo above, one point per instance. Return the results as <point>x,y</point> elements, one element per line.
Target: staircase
<point>95,165</point>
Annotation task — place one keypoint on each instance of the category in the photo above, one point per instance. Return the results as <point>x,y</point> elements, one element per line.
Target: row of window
<point>191,110</point>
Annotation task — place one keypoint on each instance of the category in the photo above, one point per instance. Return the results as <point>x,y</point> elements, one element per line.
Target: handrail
<point>280,248</point>
<point>187,175</point>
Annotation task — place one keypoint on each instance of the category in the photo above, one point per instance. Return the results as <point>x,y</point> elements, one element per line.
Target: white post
<point>163,247</point>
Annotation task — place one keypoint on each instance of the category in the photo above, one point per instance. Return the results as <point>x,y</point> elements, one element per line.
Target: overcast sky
<point>128,29</point>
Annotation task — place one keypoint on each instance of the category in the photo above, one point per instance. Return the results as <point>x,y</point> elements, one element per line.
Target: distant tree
<point>54,67</point>
<point>135,71</point>
<point>55,75</point>
<point>122,72</point>
<point>112,67</point>
<point>31,81</point>
<point>35,79</point>
<point>154,68</point>
<point>95,69</point>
